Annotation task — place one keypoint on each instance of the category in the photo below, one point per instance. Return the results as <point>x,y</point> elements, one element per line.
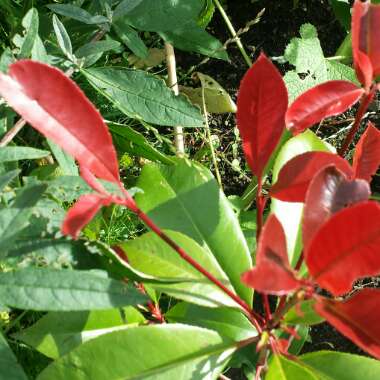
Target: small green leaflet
<point>77,13</point>
<point>63,38</point>
<point>31,23</point>
<point>15,153</point>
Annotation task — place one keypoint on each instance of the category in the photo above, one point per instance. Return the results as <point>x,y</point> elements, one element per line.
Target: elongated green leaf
<point>15,153</point>
<point>124,7</point>
<point>31,23</point>
<point>143,96</point>
<point>150,255</point>
<point>189,200</point>
<point>288,213</point>
<point>227,322</point>
<point>330,365</point>
<point>63,38</point>
<point>65,161</point>
<point>8,177</point>
<point>165,352</point>
<point>281,368</point>
<point>97,47</point>
<point>64,290</point>
<point>77,13</point>
<point>57,333</point>
<point>9,368</point>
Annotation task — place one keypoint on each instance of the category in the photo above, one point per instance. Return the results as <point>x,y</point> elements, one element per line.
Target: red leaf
<point>366,40</point>
<point>327,99</point>
<point>329,192</point>
<point>56,107</point>
<point>82,212</point>
<point>272,273</point>
<point>261,106</point>
<point>295,176</point>
<point>367,154</point>
<point>346,248</point>
<point>357,318</point>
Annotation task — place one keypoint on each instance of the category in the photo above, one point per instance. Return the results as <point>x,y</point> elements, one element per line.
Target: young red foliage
<point>329,192</point>
<point>272,273</point>
<point>357,318</point>
<point>57,108</point>
<point>366,40</point>
<point>262,103</point>
<point>367,154</point>
<point>345,248</point>
<point>295,176</point>
<point>327,99</point>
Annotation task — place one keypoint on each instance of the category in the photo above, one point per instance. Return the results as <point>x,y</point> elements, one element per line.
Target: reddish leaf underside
<point>57,107</point>
<point>367,154</point>
<point>357,318</point>
<point>325,100</point>
<point>272,273</point>
<point>329,192</point>
<point>261,106</point>
<point>295,176</point>
<point>346,248</point>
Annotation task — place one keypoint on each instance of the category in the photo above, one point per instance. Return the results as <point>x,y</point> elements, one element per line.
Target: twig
<point>179,139</point>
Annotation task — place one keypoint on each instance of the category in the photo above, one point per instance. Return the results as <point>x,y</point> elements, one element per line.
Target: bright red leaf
<point>261,106</point>
<point>357,318</point>
<point>346,248</point>
<point>327,99</point>
<point>367,154</point>
<point>82,213</point>
<point>272,273</point>
<point>366,40</point>
<point>295,176</point>
<point>329,192</point>
<point>57,107</point>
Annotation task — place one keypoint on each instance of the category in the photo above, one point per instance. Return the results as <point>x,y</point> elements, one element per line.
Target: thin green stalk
<point>233,33</point>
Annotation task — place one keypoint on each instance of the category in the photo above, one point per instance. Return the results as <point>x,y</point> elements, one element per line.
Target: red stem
<point>267,306</point>
<point>364,104</point>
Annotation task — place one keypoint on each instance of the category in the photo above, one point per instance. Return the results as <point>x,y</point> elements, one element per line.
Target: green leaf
<point>8,177</point>
<point>97,47</point>
<point>281,368</point>
<point>124,7</point>
<point>64,290</point>
<point>63,38</point>
<point>68,188</point>
<point>58,333</point>
<point>195,39</point>
<point>227,322</point>
<point>30,22</point>
<point>342,11</point>
<point>10,369</point>
<point>77,13</point>
<point>164,352</point>
<point>39,52</point>
<point>15,153</point>
<point>304,314</point>
<point>143,96</point>
<point>330,365</point>
<point>151,256</point>
<point>65,161</point>
<point>189,200</point>
<point>130,38</point>
<point>135,143</point>
<point>290,213</point>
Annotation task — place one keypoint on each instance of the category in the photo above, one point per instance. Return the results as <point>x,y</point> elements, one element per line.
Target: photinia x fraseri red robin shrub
<point>215,324</point>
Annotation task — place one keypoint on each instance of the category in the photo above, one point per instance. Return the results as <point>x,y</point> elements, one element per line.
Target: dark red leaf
<point>329,192</point>
<point>295,176</point>
<point>357,318</point>
<point>366,40</point>
<point>272,273</point>
<point>57,107</point>
<point>82,212</point>
<point>261,106</point>
<point>367,154</point>
<point>346,248</point>
<point>327,99</point>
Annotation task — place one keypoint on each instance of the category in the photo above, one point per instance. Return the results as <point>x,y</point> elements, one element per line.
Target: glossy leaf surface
<point>295,176</point>
<point>281,368</point>
<point>262,103</point>
<point>303,314</point>
<point>272,273</point>
<point>62,113</point>
<point>186,190</point>
<point>356,318</point>
<point>64,290</point>
<point>325,100</point>
<point>345,248</point>
<point>166,352</point>
<point>329,192</point>
<point>367,154</point>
